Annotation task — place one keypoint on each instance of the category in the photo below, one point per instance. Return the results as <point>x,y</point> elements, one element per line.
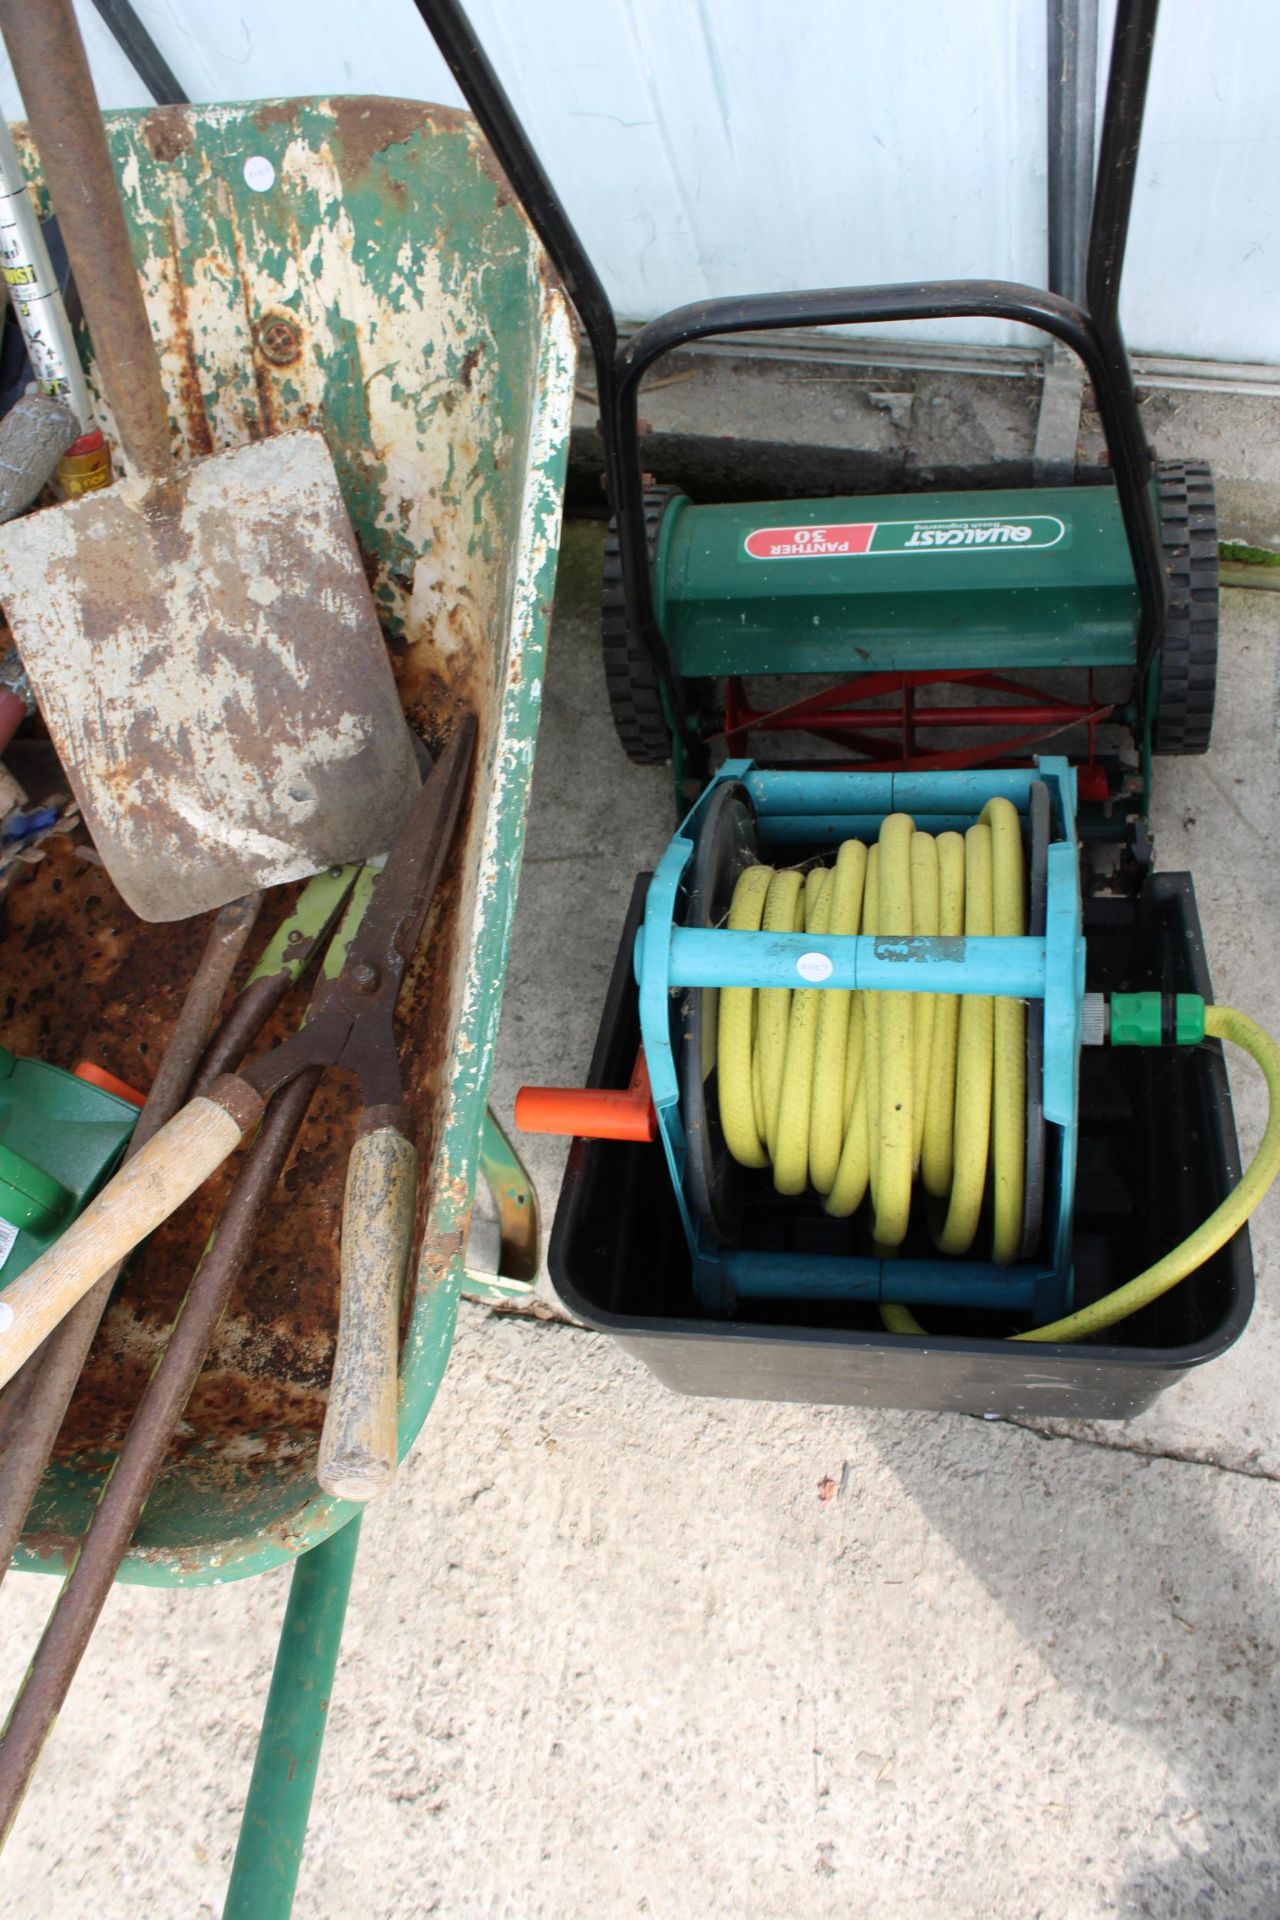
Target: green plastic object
<point>1156,1019</point>
<point>60,1138</point>
<point>933,582</point>
<point>30,1198</point>
<point>1188,1020</point>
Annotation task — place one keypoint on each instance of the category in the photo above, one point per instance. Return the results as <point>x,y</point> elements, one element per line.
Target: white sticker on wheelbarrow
<point>1028,533</point>
<point>8,1234</point>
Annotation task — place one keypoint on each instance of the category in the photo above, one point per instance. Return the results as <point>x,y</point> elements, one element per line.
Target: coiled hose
<point>855,1093</point>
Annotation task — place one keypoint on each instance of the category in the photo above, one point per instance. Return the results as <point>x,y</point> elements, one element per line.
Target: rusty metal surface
<point>34,1405</point>
<point>84,978</point>
<point>81,1600</point>
<point>49,64</point>
<point>228,936</point>
<point>236,1034</point>
<point>207,659</point>
<point>438,362</point>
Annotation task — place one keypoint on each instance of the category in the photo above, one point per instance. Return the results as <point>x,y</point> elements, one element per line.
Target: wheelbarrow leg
<point>273,1830</point>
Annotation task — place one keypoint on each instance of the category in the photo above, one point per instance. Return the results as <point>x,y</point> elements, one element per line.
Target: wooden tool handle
<point>358,1442</point>
<point>51,69</point>
<point>146,1191</point>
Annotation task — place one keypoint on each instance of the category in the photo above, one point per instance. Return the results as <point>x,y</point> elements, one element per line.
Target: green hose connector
<point>1156,1020</point>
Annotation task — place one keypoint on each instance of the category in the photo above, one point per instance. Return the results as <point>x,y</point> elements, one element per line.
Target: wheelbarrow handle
<point>151,1186</point>
<point>358,1442</point>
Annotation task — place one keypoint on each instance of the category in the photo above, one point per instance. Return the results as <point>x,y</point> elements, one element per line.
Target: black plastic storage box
<point>1157,1153</point>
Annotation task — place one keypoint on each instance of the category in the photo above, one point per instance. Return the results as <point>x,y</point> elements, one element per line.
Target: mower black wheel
<point>1183,719</point>
<point>635,699</point>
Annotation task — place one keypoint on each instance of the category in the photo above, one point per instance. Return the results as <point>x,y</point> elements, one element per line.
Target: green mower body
<point>936,582</point>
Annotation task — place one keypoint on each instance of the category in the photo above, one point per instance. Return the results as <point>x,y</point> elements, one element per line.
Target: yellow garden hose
<point>853,1093</point>
<point>1220,1023</point>
<point>857,1093</point>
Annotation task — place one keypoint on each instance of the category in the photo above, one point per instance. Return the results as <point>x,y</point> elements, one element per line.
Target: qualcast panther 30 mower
<point>908,1089</point>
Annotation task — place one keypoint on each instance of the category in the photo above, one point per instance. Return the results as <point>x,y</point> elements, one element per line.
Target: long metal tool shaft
<point>142,1455</point>
<point>33,1406</point>
<point>49,64</point>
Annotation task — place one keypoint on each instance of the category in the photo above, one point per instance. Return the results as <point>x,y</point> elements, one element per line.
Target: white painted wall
<point>1202,274</point>
<point>728,146</point>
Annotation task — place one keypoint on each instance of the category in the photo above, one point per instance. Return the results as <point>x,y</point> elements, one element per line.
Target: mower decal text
<point>1027,534</point>
<point>809,543</point>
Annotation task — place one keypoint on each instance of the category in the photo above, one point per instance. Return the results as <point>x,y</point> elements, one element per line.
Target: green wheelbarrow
<point>360,266</point>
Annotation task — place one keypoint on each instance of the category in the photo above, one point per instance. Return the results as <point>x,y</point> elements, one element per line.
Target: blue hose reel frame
<point>796,813</point>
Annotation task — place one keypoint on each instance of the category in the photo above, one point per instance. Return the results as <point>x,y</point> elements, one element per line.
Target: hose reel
<point>785,987</point>
<point>782,890</point>
<point>815,1046</point>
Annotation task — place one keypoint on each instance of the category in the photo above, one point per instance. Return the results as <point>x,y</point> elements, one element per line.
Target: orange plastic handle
<point>591,1113</point>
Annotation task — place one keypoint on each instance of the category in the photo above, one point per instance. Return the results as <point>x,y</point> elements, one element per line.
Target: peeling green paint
<point>439,366</point>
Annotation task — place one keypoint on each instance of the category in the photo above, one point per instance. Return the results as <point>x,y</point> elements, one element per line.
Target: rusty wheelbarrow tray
<point>360,266</point>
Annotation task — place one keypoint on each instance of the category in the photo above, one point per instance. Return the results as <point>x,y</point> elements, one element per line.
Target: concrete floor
<point>609,1652</point>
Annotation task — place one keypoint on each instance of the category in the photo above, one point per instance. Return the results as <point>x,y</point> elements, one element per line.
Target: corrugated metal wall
<point>726,146</point>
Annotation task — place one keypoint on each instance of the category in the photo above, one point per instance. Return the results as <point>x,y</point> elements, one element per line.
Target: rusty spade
<point>202,642</point>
